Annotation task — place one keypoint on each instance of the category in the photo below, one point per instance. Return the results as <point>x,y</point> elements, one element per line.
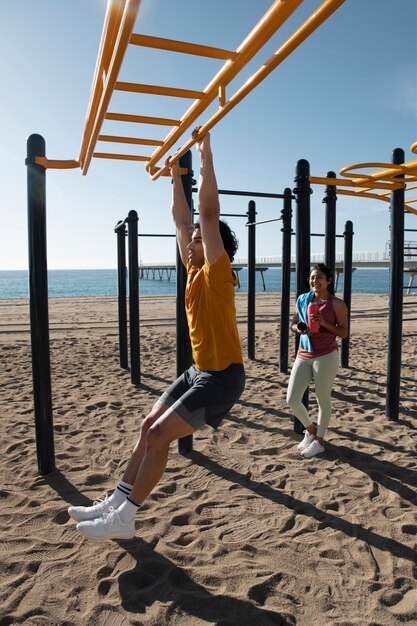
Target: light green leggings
<point>323,371</point>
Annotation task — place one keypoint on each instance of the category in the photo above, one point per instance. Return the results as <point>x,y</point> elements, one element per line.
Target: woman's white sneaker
<point>308,438</point>
<point>313,449</point>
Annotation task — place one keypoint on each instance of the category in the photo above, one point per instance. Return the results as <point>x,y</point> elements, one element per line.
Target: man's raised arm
<point>181,213</point>
<point>208,202</point>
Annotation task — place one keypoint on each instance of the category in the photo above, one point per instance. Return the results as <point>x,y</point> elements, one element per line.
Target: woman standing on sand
<point>317,357</point>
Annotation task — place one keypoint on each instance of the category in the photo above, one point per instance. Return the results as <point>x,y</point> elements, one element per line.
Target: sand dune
<point>241,531</point>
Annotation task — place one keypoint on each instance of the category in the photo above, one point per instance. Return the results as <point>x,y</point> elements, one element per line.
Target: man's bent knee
<point>157,410</point>
<point>157,438</point>
<point>166,430</point>
<point>147,423</point>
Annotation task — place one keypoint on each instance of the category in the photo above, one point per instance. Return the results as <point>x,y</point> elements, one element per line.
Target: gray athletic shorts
<point>202,398</point>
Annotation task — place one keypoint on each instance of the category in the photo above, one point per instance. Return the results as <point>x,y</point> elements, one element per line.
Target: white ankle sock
<point>127,511</point>
<point>120,494</point>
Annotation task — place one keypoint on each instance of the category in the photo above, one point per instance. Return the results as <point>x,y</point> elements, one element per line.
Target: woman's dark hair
<point>328,274</point>
<point>229,239</point>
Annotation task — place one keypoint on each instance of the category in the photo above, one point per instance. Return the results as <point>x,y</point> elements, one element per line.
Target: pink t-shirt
<point>323,342</point>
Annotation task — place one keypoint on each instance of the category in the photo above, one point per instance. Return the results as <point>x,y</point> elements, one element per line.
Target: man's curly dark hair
<point>229,238</point>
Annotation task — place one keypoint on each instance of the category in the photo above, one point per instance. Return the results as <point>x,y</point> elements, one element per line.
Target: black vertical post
<point>347,288</point>
<point>251,277</point>
<point>286,215</point>
<point>39,316</point>
<point>395,322</point>
<point>302,193</point>
<point>184,353</point>
<point>330,224</point>
<point>120,231</point>
<point>132,237</point>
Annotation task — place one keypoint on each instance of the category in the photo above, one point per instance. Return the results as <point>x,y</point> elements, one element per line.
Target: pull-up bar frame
<point>116,37</point>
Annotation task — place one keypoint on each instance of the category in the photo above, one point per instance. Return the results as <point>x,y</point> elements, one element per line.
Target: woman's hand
<point>301,328</point>
<point>318,317</point>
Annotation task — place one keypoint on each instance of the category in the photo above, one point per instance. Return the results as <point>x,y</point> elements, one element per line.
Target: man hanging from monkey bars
<point>207,390</point>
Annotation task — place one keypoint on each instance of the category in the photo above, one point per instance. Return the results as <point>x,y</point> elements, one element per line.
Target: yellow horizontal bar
<point>346,192</point>
<point>345,171</point>
<point>343,182</point>
<point>57,164</point>
<point>158,91</point>
<point>390,171</point>
<point>181,46</point>
<point>111,25</point>
<point>183,171</point>
<point>142,119</point>
<point>413,147</point>
<point>133,140</point>
<point>362,194</point>
<point>303,32</point>
<point>118,26</point>
<point>122,157</point>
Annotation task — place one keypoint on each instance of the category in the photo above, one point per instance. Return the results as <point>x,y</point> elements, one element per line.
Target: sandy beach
<point>243,530</point>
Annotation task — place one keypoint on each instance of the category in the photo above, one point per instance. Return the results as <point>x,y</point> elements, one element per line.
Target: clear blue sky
<point>347,95</point>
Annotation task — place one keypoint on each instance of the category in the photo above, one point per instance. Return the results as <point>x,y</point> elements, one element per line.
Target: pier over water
<point>370,259</point>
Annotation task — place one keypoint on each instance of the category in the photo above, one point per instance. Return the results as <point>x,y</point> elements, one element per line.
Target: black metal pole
<point>251,277</point>
<point>39,315</point>
<point>330,226</point>
<point>132,237</point>
<point>347,288</point>
<point>302,193</point>
<point>286,215</point>
<point>184,352</point>
<point>395,322</point>
<point>120,231</point>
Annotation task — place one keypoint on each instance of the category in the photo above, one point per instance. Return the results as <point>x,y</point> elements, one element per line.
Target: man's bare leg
<point>120,523</point>
<point>124,487</point>
<point>132,468</point>
<point>166,429</point>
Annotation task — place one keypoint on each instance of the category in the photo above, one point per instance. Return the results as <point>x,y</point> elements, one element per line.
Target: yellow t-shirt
<point>211,315</point>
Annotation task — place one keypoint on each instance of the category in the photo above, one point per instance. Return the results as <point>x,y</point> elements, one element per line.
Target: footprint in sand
<point>61,518</point>
<point>265,452</point>
<point>104,586</point>
<point>98,405</point>
<point>403,606</point>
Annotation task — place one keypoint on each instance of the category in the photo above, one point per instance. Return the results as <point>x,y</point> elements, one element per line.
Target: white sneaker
<point>308,438</point>
<point>313,449</point>
<point>108,526</point>
<point>82,513</point>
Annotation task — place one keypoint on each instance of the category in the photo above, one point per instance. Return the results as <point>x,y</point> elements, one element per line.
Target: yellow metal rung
<point>56,164</point>
<point>158,91</point>
<point>121,157</point>
<point>133,140</point>
<point>154,170</point>
<point>142,119</point>
<point>181,46</point>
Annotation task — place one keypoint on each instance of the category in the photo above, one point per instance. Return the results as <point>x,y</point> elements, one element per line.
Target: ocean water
<point>72,283</point>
